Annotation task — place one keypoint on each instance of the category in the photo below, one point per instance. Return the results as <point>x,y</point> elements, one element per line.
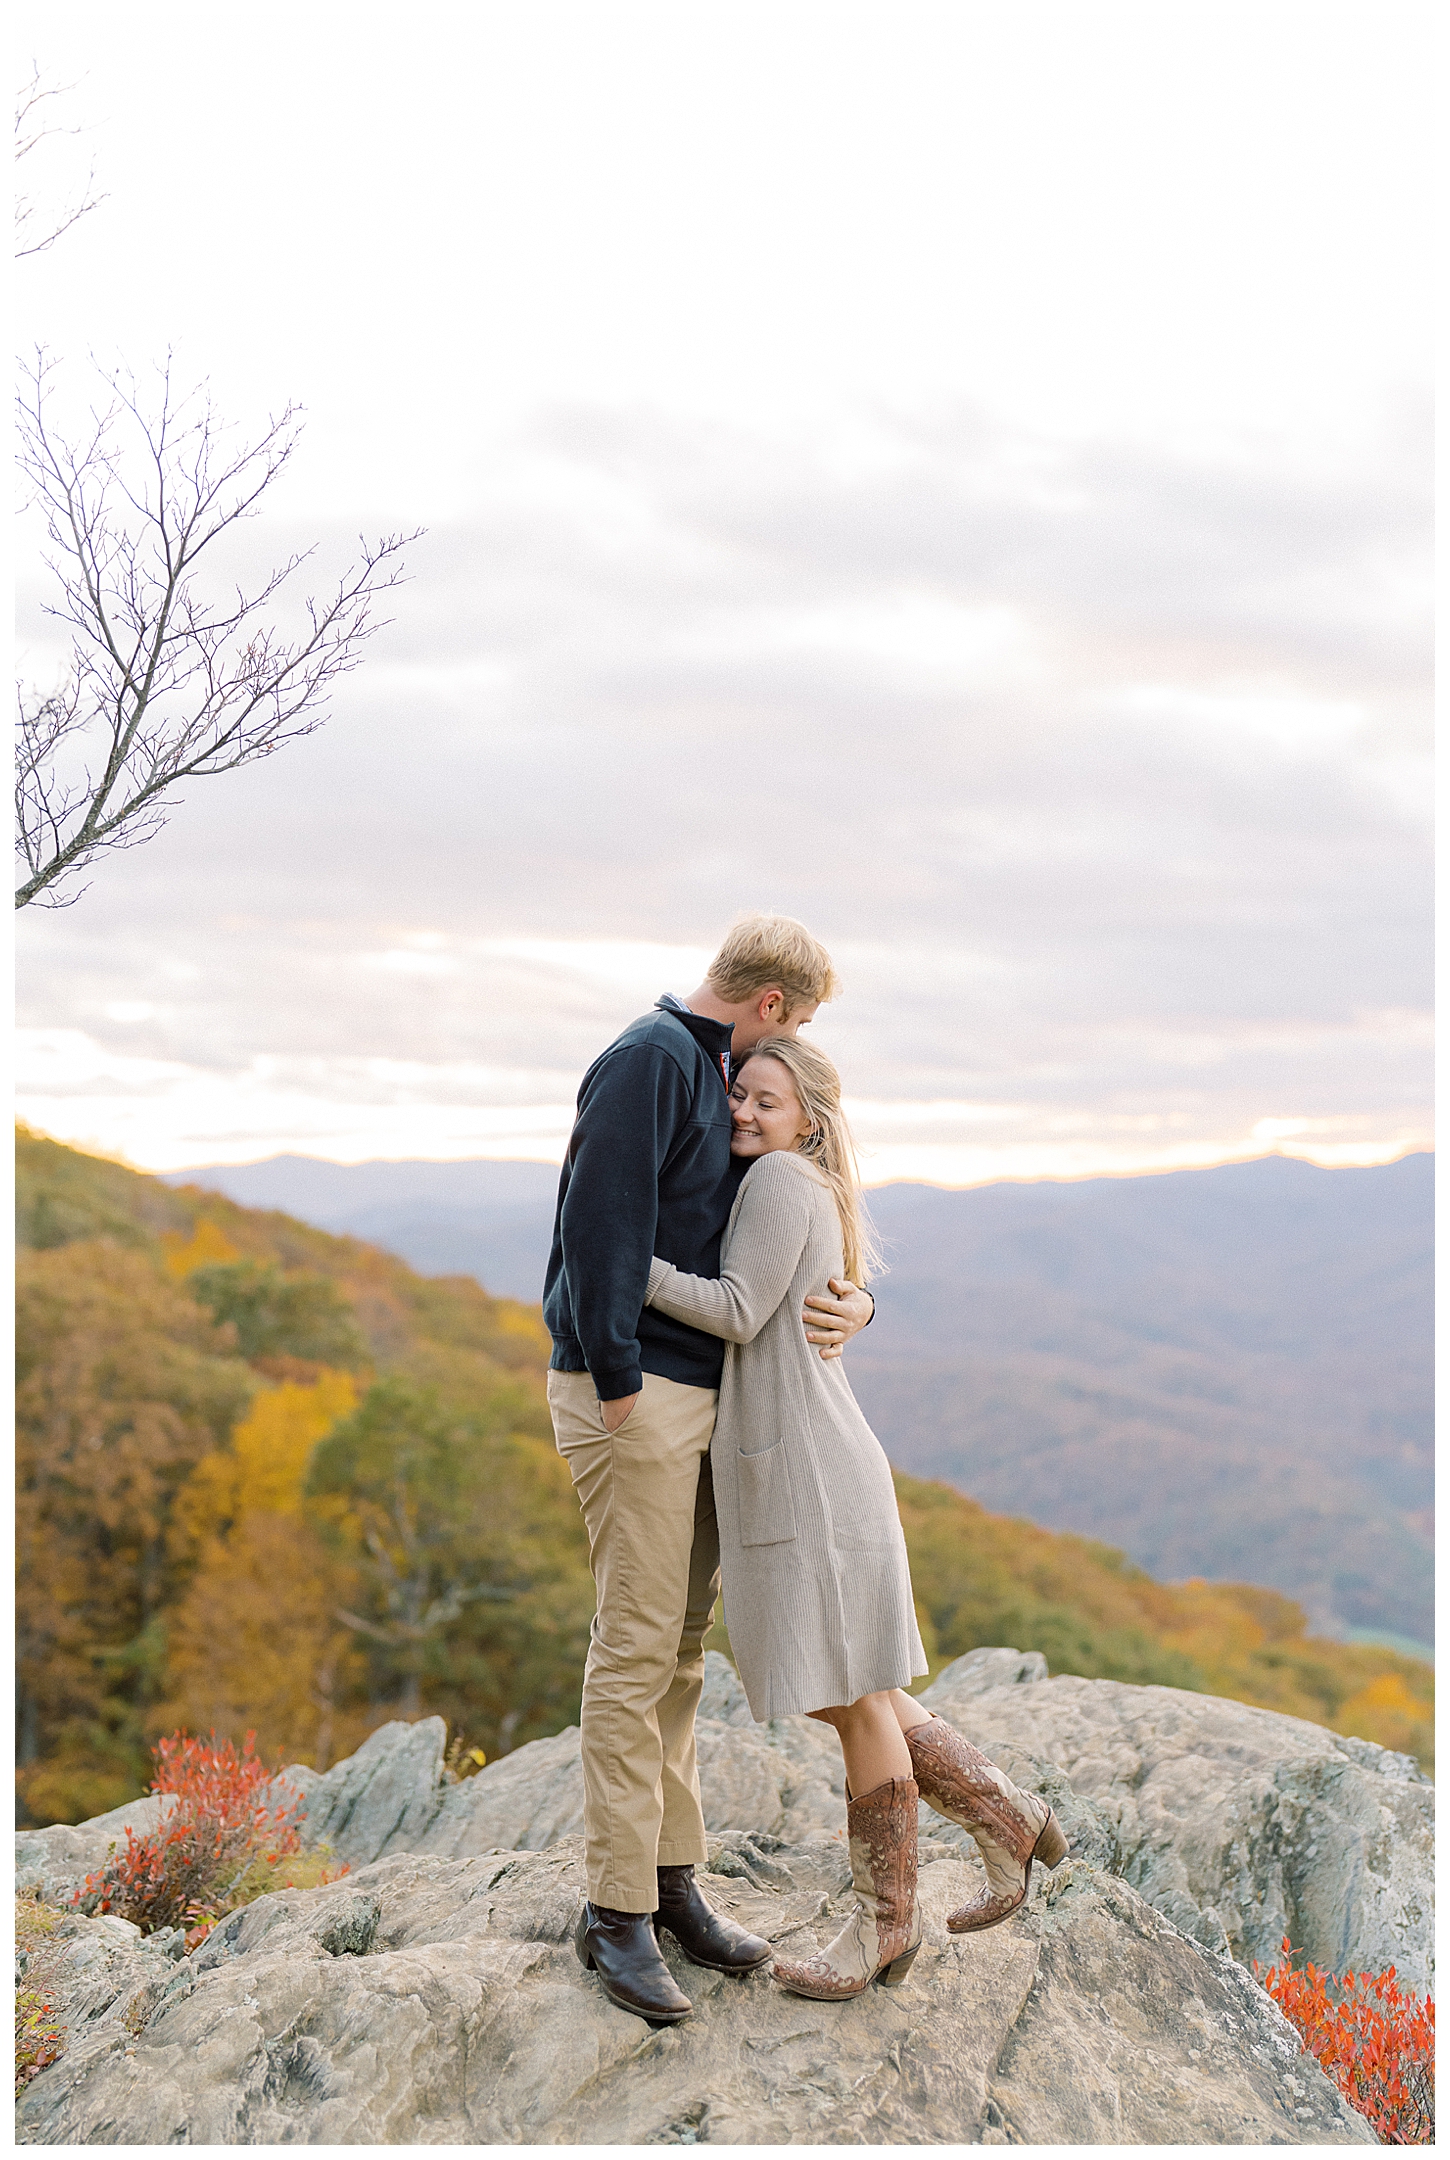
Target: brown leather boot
<point>705,1936</point>
<point>1011,1828</point>
<point>883,1935</point>
<point>623,1949</point>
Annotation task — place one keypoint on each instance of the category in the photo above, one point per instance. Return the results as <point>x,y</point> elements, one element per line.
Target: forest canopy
<point>272,1479</point>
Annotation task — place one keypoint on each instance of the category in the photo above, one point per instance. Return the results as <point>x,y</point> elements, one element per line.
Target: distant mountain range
<point>489,1219</point>
<point>1225,1372</point>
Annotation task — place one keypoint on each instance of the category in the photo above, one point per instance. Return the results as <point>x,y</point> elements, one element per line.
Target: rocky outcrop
<point>432,1995</point>
<point>52,1863</point>
<point>1239,1825</point>
<point>426,2000</point>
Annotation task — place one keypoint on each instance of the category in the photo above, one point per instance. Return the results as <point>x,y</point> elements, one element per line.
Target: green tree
<point>62,1196</point>
<point>475,1595</point>
<point>122,1388</point>
<point>983,1578</point>
<point>280,1315</point>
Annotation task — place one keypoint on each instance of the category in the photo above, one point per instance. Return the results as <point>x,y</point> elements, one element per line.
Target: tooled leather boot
<point>623,1949</point>
<point>705,1936</point>
<point>883,1935</point>
<point>1011,1828</point>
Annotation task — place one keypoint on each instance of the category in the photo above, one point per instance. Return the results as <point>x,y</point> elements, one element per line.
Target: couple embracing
<point>709,1264</point>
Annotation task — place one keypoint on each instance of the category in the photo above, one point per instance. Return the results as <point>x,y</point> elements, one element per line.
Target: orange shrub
<point>1377,2043</point>
<point>220,1826</point>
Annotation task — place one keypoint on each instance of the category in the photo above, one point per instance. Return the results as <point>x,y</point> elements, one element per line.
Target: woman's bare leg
<point>872,1740</point>
<point>908,1711</point>
<point>883,1932</point>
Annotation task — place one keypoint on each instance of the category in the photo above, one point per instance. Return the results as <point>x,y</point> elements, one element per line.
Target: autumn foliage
<point>1376,2042</point>
<point>39,2028</point>
<point>273,1480</point>
<point>221,1822</point>
<point>39,2036</point>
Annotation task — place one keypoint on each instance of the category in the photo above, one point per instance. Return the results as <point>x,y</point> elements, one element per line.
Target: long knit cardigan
<point>813,1561</point>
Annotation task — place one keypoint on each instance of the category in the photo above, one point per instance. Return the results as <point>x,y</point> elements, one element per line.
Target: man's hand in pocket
<point>614,1413</point>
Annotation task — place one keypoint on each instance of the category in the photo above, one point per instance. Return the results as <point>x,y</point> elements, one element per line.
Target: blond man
<point>633,1395</point>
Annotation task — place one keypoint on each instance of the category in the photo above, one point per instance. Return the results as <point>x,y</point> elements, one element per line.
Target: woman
<point>817,1588</point>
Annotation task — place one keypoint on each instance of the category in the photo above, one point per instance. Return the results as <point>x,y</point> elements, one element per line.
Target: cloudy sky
<point>958,475</point>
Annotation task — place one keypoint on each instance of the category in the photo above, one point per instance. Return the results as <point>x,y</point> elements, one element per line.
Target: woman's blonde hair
<point>828,1146</point>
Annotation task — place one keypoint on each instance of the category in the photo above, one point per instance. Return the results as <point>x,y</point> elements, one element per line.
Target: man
<point>633,1396</point>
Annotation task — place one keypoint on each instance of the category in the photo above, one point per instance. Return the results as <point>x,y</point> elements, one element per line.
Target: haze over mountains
<point>1225,1372</point>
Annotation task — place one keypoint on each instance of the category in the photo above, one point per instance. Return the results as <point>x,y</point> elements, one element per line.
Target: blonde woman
<point>817,1587</point>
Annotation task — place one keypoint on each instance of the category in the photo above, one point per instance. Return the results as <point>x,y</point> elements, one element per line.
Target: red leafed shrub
<point>218,1829</point>
<point>1377,2043</point>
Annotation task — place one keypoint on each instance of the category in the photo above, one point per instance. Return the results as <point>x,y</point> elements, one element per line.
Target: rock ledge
<point>432,1995</point>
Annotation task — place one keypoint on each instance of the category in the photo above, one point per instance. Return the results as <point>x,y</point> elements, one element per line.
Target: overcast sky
<point>956,474</point>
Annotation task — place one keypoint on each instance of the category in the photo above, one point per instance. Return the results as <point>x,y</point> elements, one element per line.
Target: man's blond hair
<point>765,952</point>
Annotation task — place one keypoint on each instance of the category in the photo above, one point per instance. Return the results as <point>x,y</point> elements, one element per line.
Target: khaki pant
<point>655,1555</point>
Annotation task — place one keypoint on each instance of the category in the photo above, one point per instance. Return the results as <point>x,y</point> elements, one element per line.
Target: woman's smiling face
<point>766,1109</point>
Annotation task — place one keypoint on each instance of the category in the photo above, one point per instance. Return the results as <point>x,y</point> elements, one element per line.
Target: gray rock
<point>723,1698</point>
<point>93,1967</point>
<point>1087,2019</point>
<point>52,1863</point>
<point>784,1779</point>
<point>1241,1825</point>
<point>383,1798</point>
<point>1238,1825</point>
<point>520,1803</point>
<point>981,1670</point>
<point>348,1929</point>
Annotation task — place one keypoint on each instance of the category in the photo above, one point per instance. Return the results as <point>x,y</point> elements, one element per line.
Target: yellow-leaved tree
<point>255,1641</point>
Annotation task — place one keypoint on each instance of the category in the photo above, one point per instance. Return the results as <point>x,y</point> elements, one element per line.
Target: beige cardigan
<point>817,1588</point>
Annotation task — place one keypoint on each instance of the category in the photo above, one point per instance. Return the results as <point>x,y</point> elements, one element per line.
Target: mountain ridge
<point>1224,1371</point>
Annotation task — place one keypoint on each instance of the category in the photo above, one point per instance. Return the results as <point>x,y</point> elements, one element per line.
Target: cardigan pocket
<point>767,1509</point>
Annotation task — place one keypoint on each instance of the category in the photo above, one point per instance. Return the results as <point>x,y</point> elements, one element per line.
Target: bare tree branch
<point>167,682</point>
<point>32,128</point>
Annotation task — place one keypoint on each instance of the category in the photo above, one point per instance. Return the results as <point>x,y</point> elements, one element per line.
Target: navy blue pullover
<point>649,1170</point>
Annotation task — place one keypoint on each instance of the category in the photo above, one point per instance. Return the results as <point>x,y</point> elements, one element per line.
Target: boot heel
<point>1051,1847</point>
<point>893,1974</point>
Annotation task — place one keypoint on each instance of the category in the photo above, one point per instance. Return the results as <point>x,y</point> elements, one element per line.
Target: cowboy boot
<point>883,1935</point>
<point>1011,1828</point>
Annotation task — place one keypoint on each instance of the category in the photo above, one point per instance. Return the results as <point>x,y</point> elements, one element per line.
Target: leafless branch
<point>414,1619</point>
<point>404,1576</point>
<point>33,126</point>
<point>167,682</point>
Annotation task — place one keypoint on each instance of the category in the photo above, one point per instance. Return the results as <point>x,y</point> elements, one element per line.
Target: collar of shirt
<point>719,1051</point>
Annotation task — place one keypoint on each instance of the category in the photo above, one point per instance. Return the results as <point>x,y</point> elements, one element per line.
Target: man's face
<point>769,1018</point>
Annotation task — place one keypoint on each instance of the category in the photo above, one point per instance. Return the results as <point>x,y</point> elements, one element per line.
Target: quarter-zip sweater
<point>648,1171</point>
